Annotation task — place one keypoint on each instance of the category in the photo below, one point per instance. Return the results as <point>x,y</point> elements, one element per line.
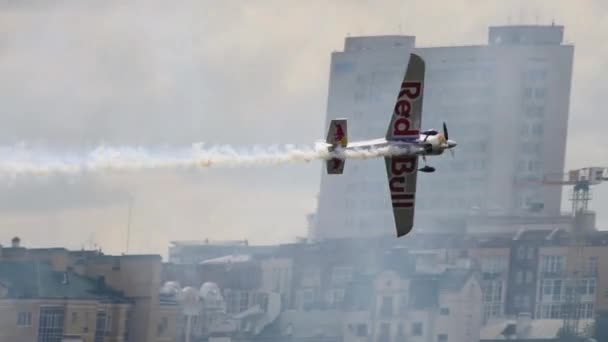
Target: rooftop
<point>30,279</point>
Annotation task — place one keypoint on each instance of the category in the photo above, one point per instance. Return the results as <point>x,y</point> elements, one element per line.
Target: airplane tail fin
<point>337,136</point>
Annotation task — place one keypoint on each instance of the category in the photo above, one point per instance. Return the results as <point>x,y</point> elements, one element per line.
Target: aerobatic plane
<point>405,136</point>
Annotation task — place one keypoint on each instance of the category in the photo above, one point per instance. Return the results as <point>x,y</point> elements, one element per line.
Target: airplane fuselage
<point>424,145</point>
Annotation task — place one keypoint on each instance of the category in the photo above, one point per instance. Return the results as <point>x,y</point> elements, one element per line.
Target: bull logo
<point>339,136</point>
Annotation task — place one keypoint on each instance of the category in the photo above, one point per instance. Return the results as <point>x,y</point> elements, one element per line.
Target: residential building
<point>38,303</point>
<point>82,296</point>
<point>506,103</point>
<point>246,294</point>
<point>493,262</point>
<point>441,307</point>
<point>524,329</point>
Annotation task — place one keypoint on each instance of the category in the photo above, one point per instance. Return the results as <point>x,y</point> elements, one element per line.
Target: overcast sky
<point>225,72</point>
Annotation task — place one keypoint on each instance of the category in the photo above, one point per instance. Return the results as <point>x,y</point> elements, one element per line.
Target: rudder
<point>337,136</point>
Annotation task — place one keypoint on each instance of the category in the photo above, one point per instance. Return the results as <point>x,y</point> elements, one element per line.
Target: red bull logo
<point>339,136</point>
<point>403,108</point>
<point>402,187</point>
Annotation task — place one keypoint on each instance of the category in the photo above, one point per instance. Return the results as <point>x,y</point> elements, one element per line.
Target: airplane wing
<point>402,173</point>
<point>407,113</point>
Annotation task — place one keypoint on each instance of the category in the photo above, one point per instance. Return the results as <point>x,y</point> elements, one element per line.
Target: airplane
<point>404,135</point>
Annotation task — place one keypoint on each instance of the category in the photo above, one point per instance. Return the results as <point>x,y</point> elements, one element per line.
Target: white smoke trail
<point>20,161</point>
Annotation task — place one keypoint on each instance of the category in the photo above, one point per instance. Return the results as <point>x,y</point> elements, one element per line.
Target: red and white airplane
<point>404,135</point>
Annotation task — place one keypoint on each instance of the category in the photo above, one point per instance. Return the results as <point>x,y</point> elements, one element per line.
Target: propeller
<point>449,143</point>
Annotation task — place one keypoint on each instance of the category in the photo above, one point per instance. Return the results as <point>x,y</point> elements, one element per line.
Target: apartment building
<point>505,102</point>
<point>53,294</point>
<point>421,307</point>
<point>249,294</point>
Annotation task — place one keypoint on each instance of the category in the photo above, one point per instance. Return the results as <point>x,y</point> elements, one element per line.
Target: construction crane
<point>581,180</point>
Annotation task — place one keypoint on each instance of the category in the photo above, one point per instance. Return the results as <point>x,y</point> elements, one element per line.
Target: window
<point>442,338</point>
<point>537,129</point>
<point>74,317</point>
<point>592,265</point>
<point>492,291</point>
<point>244,301</point>
<point>589,312</point>
<point>341,274</point>
<point>24,319</point>
<point>547,287</point>
<point>552,264</point>
<point>386,310</point>
<point>385,332</point>
<point>444,311</point>
<point>519,277</point>
<point>50,326</point>
<point>128,319</point>
<point>591,286</point>
<point>529,277</point>
<point>530,253</point>
<point>276,279</point>
<point>535,111</point>
<point>361,330</point>
<point>541,93</point>
<point>521,252</point>
<point>336,297</point>
<point>100,327</point>
<point>307,296</point>
<point>517,301</point>
<point>557,289</point>
<point>492,310</point>
<point>587,287</point>
<point>417,329</point>
<point>550,311</point>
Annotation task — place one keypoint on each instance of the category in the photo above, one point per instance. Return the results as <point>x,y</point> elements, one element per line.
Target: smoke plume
<point>19,160</point>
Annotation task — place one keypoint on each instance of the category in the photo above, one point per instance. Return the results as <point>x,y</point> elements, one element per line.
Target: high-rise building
<point>505,103</point>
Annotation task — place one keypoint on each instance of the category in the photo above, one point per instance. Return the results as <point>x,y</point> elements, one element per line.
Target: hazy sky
<point>225,72</point>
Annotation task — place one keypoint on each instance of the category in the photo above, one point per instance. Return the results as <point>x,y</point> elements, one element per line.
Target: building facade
<point>52,294</point>
<point>506,103</point>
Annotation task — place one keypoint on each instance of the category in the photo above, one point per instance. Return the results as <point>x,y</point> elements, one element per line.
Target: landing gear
<point>426,168</point>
